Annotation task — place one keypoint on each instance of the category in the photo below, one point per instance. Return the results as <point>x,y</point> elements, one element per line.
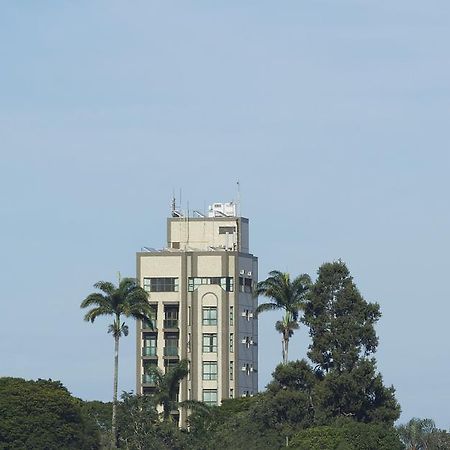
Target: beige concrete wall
<point>202,234</point>
<point>209,265</point>
<point>160,265</point>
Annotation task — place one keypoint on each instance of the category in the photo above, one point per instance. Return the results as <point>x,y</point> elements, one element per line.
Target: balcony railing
<point>170,351</point>
<point>149,324</point>
<point>148,351</point>
<point>171,323</point>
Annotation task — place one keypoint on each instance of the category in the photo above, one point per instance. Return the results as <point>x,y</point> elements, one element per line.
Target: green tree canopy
<point>42,415</point>
<point>341,323</point>
<point>422,434</point>
<point>358,394</point>
<point>347,435</point>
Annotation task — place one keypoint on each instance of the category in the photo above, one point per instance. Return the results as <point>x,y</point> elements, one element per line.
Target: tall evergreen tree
<point>342,328</point>
<point>341,323</point>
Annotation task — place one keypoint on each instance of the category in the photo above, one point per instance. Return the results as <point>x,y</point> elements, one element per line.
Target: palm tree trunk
<point>116,379</point>
<point>286,346</point>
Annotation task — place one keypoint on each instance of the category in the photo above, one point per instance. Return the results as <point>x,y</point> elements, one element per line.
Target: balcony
<point>171,324</point>
<point>171,351</point>
<point>148,351</point>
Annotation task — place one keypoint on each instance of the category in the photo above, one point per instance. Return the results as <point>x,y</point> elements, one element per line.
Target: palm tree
<point>127,299</point>
<point>417,434</point>
<point>287,296</point>
<point>286,327</point>
<point>167,386</point>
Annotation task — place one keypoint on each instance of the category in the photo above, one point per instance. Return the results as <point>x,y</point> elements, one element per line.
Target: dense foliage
<point>422,434</point>
<point>42,415</point>
<point>298,399</point>
<point>348,435</point>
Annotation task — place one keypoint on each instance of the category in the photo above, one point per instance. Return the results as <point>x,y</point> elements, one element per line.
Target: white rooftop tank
<point>222,210</point>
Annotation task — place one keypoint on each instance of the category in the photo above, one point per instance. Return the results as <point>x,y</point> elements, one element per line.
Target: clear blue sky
<point>333,115</point>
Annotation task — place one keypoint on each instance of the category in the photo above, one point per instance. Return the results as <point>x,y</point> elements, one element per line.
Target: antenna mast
<point>238,201</point>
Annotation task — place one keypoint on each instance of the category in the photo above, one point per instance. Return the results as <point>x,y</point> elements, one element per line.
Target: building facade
<point>201,288</point>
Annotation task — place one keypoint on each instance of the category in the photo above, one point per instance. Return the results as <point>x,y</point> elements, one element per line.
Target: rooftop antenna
<point>174,205</point>
<point>238,201</point>
<point>175,211</point>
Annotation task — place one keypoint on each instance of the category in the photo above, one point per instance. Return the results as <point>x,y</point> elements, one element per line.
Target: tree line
<point>334,400</point>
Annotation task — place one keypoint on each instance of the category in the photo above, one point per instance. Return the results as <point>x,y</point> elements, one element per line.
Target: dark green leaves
<point>42,414</point>
<point>341,322</point>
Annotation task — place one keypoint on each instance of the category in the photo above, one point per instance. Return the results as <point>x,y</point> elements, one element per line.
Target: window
<point>170,317</point>
<point>171,345</point>
<point>210,396</point>
<point>231,393</point>
<point>209,315</point>
<point>210,370</point>
<point>175,245</point>
<point>149,348</point>
<point>225,230</point>
<point>231,316</point>
<point>209,343</point>
<point>161,284</point>
<point>226,283</point>
<point>231,342</point>
<point>231,370</point>
<point>245,284</point>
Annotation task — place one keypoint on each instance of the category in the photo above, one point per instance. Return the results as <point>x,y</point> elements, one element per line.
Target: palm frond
<point>284,294</point>
<point>117,329</point>
<point>196,405</point>
<point>156,373</point>
<point>105,286</point>
<point>176,374</point>
<point>94,299</point>
<point>91,315</point>
<point>127,285</point>
<point>266,307</point>
<point>286,327</point>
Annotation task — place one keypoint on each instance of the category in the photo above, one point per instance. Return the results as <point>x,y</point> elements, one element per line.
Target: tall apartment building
<point>200,287</point>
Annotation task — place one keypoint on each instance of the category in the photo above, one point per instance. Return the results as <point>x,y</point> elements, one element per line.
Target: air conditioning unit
<point>249,273</point>
<point>244,341</point>
<point>244,369</point>
<point>242,272</point>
